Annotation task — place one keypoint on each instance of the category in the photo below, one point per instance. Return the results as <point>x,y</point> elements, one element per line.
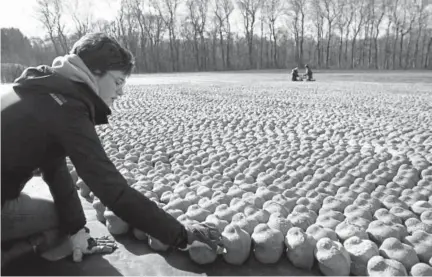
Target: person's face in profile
<point>111,85</point>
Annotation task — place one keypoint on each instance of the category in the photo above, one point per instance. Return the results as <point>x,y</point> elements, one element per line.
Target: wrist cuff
<point>182,241</point>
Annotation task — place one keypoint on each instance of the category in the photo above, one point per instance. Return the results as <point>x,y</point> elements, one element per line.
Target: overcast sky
<point>21,14</point>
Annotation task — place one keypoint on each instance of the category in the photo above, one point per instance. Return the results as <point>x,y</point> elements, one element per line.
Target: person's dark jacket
<point>308,73</point>
<point>47,117</point>
<point>294,75</point>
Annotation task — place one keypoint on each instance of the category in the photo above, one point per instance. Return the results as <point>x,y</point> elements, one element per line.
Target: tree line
<point>206,35</point>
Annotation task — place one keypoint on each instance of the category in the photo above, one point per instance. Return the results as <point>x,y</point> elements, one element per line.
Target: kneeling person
<point>295,75</point>
<point>49,114</point>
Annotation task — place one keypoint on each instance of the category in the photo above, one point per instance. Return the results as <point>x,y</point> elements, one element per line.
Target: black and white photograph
<point>216,137</point>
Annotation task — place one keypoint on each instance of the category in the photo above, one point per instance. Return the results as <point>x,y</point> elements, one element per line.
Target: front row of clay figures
<point>307,76</point>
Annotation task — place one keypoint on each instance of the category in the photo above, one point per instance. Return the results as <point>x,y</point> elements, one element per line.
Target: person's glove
<point>83,244</point>
<point>205,233</point>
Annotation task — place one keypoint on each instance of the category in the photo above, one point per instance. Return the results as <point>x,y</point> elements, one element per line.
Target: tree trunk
<point>222,48</point>
<point>376,63</point>
<point>213,51</point>
<point>364,45</point>
<point>238,53</point>
<point>370,45</point>
<point>296,40</point>
<point>54,44</point>
<point>152,57</point>
<point>177,52</point>
<point>346,49</point>
<point>319,46</point>
<point>196,53</point>
<point>228,61</point>
<point>340,48</point>
<point>172,54</point>
<point>402,35</point>
<point>428,49</point>
<point>353,43</point>
<point>275,59</point>
<point>261,44</point>
<point>311,53</point>
<point>416,48</point>
<point>376,51</point>
<point>204,51</point>
<point>423,49</point>
<point>395,48</point>
<point>301,37</point>
<point>267,54</point>
<point>156,44</point>
<point>270,57</point>
<point>387,47</point>
<point>143,46</point>
<point>408,52</point>
<point>328,47</point>
<point>250,47</point>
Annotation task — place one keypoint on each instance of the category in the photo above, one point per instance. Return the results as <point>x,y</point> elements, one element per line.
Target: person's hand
<point>46,240</point>
<point>84,244</point>
<point>36,243</point>
<point>5,258</point>
<point>205,233</point>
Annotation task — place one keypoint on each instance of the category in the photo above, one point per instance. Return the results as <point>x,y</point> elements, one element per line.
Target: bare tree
<point>212,45</point>
<point>60,27</point>
<point>249,9</point>
<point>222,11</point>
<point>138,7</point>
<point>422,24</point>
<point>297,14</point>
<point>119,24</point>
<point>81,15</point>
<point>131,26</point>
<point>428,50</point>
<point>406,23</point>
<point>354,33</point>
<point>47,16</point>
<point>343,23</point>
<point>318,22</point>
<point>394,17</point>
<point>262,20</point>
<point>220,22</point>
<point>367,33</point>
<point>378,10</point>
<point>387,51</point>
<point>273,9</point>
<point>167,10</point>
<point>197,16</point>
<point>351,17</point>
<point>359,18</point>
<point>331,12</point>
<point>156,28</point>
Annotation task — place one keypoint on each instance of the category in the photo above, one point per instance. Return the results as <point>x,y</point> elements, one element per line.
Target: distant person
<point>49,114</point>
<point>308,74</point>
<point>295,75</point>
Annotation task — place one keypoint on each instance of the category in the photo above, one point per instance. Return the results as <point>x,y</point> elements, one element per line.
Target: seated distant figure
<point>295,75</point>
<point>308,73</point>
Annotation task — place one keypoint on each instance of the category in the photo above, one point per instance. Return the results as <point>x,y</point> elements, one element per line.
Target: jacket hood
<point>73,68</point>
<point>66,80</point>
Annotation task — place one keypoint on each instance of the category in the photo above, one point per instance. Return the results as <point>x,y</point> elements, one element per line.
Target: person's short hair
<point>102,53</point>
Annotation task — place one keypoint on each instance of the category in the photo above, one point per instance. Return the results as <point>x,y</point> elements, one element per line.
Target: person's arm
<point>78,136</point>
<point>66,199</point>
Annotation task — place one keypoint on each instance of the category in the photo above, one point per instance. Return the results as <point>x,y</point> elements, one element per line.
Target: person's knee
<point>27,215</point>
